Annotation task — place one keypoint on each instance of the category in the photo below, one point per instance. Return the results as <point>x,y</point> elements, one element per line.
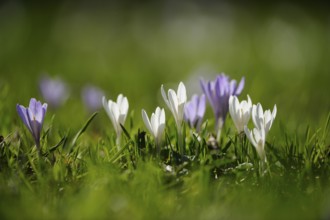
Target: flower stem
<point>218,128</point>
<point>38,148</point>
<point>180,141</point>
<point>158,145</point>
<point>264,167</point>
<point>118,140</point>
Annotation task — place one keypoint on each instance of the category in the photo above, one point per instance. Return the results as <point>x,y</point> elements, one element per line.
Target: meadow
<point>282,51</point>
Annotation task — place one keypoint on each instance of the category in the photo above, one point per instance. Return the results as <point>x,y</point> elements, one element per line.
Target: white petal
<point>259,119</point>
<point>231,110</point>
<point>146,120</point>
<point>164,96</point>
<point>256,135</point>
<point>106,106</point>
<point>154,124</point>
<point>161,124</point>
<point>174,105</point>
<point>114,116</point>
<point>268,120</point>
<point>124,106</point>
<point>249,101</point>
<point>250,136</point>
<point>254,114</point>
<point>157,112</point>
<point>120,99</point>
<point>182,94</point>
<point>162,117</point>
<point>160,130</point>
<point>274,111</point>
<point>237,113</point>
<point>105,103</point>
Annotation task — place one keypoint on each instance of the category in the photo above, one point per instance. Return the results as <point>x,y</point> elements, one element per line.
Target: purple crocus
<point>92,97</point>
<point>33,118</point>
<point>194,111</point>
<point>54,91</point>
<point>218,93</point>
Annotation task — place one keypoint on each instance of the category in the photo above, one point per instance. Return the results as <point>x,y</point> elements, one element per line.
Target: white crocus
<point>240,112</point>
<point>262,122</point>
<point>263,119</point>
<point>156,124</point>
<point>117,112</point>
<point>176,102</point>
<point>257,138</point>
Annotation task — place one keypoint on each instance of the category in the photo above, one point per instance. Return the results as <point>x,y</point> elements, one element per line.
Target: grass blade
<point>83,129</point>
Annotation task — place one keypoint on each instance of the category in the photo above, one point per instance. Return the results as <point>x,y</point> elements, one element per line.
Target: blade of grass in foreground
<point>82,130</point>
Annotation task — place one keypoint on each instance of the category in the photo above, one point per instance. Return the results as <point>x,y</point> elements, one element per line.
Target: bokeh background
<point>132,47</point>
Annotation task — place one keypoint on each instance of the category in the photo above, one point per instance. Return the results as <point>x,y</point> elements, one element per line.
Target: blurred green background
<point>132,48</point>
<point>282,49</point>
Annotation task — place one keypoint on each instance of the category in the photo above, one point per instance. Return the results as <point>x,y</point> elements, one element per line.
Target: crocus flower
<point>240,112</point>
<point>262,122</point>
<point>117,112</point>
<point>33,118</point>
<point>194,111</point>
<point>176,102</point>
<point>218,93</point>
<point>92,97</point>
<point>54,91</point>
<point>263,119</point>
<point>156,124</point>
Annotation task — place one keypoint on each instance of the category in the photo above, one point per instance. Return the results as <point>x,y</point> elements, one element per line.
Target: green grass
<point>283,55</point>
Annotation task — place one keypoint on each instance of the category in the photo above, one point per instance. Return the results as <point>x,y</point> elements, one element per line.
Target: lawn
<point>79,172</point>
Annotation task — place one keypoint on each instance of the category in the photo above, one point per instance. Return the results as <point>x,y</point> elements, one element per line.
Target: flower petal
<point>182,94</point>
<point>21,110</point>
<point>164,96</point>
<point>146,121</point>
<point>174,105</point>
<point>240,86</point>
<point>201,106</point>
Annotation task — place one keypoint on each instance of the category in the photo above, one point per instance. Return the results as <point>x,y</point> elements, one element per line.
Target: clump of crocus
<point>117,112</point>
<point>33,118</point>
<point>240,112</point>
<point>262,122</point>
<point>176,102</point>
<point>194,111</point>
<point>218,93</point>
<point>155,125</point>
<point>54,90</point>
<point>92,97</point>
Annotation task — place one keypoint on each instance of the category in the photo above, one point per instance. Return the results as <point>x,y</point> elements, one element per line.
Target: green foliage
<point>95,180</point>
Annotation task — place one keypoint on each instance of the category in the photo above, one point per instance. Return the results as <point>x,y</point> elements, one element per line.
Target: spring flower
<point>117,112</point>
<point>33,118</point>
<point>176,102</point>
<point>156,124</point>
<point>194,111</point>
<point>54,91</point>
<point>92,97</point>
<point>240,112</point>
<point>262,122</point>
<point>263,119</point>
<point>218,93</point>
